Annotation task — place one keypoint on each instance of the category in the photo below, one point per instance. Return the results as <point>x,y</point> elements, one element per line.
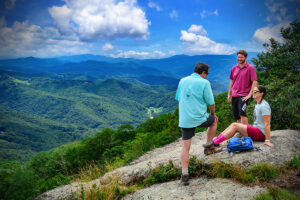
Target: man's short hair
<point>201,67</point>
<point>243,52</point>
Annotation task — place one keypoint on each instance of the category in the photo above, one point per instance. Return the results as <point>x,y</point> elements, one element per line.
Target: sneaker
<point>210,145</point>
<point>184,179</point>
<point>213,149</point>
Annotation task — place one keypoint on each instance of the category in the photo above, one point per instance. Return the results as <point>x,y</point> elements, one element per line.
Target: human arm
<point>253,78</point>
<point>267,119</point>
<point>254,84</point>
<point>212,111</point>
<point>229,92</point>
<point>209,99</point>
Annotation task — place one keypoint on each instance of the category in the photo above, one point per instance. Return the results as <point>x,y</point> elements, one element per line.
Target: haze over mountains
<point>46,102</point>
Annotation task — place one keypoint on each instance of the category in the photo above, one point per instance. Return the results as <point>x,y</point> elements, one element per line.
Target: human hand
<point>229,98</point>
<point>269,144</point>
<point>216,118</point>
<point>246,97</point>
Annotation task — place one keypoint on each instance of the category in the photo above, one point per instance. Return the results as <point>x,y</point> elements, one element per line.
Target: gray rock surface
<point>286,144</point>
<point>200,188</point>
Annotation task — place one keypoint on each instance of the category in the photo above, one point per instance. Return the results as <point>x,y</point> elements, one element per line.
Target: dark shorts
<point>188,133</point>
<point>239,107</point>
<point>255,133</point>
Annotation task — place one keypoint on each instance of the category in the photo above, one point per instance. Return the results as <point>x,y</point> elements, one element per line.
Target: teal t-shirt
<point>194,94</point>
<point>260,110</point>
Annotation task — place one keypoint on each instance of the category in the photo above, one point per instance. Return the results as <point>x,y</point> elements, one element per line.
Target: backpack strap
<point>257,149</point>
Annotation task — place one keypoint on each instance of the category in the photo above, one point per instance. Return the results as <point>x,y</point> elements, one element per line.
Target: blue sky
<point>140,28</point>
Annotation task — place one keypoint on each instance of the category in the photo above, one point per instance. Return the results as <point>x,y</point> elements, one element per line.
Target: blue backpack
<point>239,144</point>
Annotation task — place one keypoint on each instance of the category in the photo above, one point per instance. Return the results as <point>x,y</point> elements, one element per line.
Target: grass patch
<point>259,173</point>
<point>21,82</point>
<point>235,172</point>
<point>111,191</point>
<point>163,173</point>
<point>295,163</point>
<point>263,172</point>
<point>169,171</point>
<point>89,172</point>
<point>277,194</point>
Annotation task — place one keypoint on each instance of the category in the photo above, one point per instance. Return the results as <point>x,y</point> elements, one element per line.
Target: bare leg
<point>233,128</point>
<point>211,131</point>
<point>226,129</point>
<point>184,157</point>
<point>244,120</point>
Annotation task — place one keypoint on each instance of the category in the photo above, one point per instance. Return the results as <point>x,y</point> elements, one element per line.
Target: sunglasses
<point>255,91</point>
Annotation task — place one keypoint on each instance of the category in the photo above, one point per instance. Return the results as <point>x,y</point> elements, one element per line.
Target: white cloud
<point>24,39</point>
<point>197,29</point>
<point>107,47</point>
<point>174,14</point>
<point>216,12</point>
<point>140,55</point>
<point>200,44</point>
<point>277,11</point>
<point>263,35</point>
<point>62,17</point>
<point>283,11</point>
<point>10,4</point>
<point>272,5</point>
<point>171,53</point>
<point>154,5</point>
<point>205,13</point>
<point>101,19</point>
<point>2,21</point>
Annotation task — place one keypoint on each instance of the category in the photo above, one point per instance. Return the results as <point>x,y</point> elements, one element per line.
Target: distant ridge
<point>176,66</point>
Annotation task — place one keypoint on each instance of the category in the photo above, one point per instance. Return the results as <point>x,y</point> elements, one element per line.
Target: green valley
<point>43,111</point>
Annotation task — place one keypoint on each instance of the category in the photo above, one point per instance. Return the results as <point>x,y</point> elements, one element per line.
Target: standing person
<point>243,80</point>
<point>194,94</point>
<point>260,131</point>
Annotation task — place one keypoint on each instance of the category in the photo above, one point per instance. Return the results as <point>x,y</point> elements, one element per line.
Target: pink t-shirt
<point>242,79</point>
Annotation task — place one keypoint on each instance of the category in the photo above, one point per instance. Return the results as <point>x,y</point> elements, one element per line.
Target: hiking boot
<point>210,145</point>
<point>213,149</point>
<point>184,179</point>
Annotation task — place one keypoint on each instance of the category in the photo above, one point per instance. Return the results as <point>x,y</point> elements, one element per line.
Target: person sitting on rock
<point>260,131</point>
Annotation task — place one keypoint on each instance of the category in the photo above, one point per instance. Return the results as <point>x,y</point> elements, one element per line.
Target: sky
<point>140,29</point>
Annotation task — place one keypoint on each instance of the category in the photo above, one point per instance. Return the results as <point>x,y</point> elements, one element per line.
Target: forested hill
<point>46,102</point>
<point>42,111</point>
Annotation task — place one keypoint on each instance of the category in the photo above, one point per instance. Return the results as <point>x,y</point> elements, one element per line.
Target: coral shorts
<point>255,133</point>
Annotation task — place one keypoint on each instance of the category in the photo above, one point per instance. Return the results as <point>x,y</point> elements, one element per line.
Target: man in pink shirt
<point>243,80</point>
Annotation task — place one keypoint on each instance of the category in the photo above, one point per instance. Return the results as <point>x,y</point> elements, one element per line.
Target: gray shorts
<point>188,133</point>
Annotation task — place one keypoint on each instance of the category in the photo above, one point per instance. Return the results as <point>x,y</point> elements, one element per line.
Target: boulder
<point>199,188</point>
<point>286,144</point>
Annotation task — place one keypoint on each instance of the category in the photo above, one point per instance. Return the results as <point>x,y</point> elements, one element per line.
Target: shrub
<point>162,173</point>
<point>222,170</point>
<point>111,191</point>
<point>277,194</point>
<point>295,163</point>
<point>263,172</point>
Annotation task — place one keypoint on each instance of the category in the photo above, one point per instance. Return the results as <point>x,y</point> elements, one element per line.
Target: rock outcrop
<point>286,144</point>
<point>199,188</point>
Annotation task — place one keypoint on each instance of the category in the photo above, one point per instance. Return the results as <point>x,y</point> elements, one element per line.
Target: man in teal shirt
<point>194,94</point>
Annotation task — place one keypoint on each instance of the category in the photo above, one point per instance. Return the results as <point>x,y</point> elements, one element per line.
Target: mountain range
<point>46,102</point>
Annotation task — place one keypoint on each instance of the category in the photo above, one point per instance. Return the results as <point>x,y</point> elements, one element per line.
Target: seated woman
<point>260,131</point>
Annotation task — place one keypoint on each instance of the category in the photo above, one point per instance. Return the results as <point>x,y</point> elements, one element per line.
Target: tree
<point>278,69</point>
